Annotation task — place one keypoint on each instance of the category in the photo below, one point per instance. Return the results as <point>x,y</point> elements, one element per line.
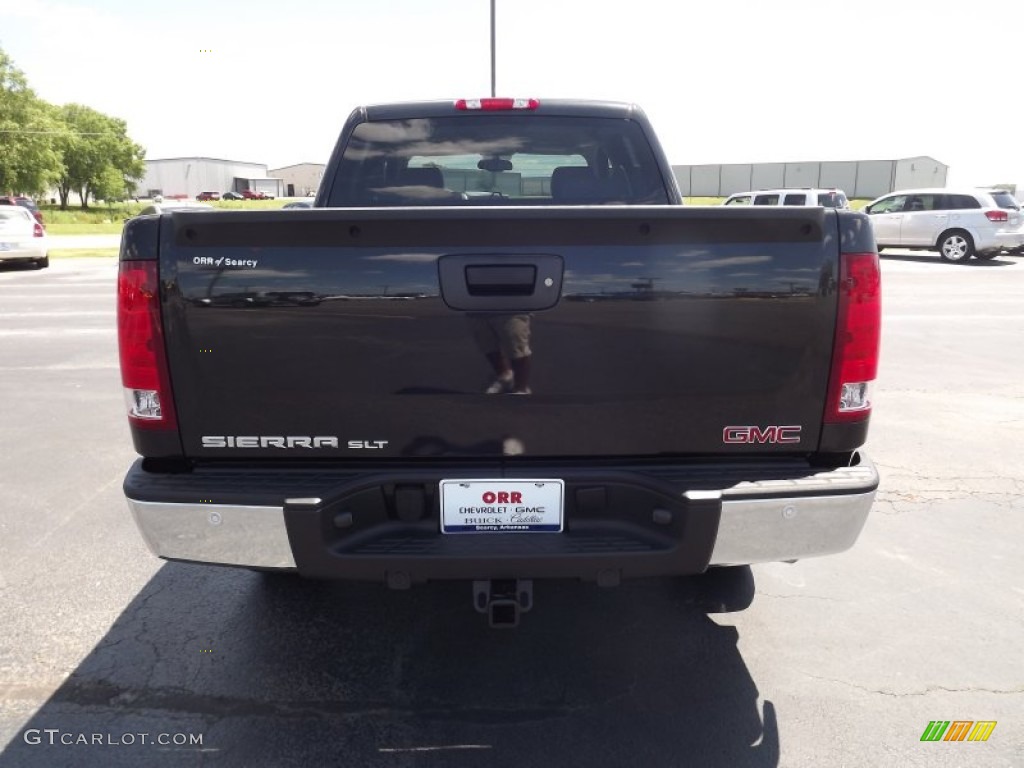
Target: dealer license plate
<point>501,506</point>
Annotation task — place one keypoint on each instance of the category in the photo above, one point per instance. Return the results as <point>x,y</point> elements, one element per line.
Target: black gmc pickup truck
<point>499,349</point>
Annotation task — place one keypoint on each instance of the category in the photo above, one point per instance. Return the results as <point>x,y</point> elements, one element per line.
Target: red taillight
<point>496,104</point>
<point>37,230</point>
<point>858,331</point>
<point>147,387</point>
<point>997,216</point>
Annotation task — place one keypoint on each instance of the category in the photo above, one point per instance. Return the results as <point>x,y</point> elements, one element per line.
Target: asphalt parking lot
<point>841,661</point>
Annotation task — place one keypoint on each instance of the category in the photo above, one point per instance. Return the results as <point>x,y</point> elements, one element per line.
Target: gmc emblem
<point>769,434</point>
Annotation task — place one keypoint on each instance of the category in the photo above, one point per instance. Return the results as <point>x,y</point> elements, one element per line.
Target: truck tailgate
<point>363,333</point>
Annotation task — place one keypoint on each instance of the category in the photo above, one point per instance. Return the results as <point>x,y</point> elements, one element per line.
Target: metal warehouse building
<point>857,178</point>
<point>188,176</point>
<point>300,180</point>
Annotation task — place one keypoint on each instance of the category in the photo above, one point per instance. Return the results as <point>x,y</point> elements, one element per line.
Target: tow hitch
<point>503,600</point>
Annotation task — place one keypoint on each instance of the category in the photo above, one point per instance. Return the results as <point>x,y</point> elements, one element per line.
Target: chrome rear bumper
<point>215,533</point>
<point>765,521</point>
<point>770,530</point>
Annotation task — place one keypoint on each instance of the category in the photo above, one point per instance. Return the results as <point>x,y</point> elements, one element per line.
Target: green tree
<point>110,185</point>
<point>29,159</point>
<point>95,148</point>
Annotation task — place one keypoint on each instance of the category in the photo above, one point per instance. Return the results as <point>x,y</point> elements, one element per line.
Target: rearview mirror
<point>494,164</point>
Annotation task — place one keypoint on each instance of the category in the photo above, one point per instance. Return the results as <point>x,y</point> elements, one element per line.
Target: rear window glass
<point>960,202</point>
<point>498,160</point>
<point>832,200</point>
<point>795,200</point>
<point>1005,200</point>
<point>11,213</point>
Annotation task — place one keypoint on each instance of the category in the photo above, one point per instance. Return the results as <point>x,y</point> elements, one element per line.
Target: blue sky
<point>739,81</point>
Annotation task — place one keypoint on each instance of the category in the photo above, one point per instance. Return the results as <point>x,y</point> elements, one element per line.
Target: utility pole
<point>493,93</point>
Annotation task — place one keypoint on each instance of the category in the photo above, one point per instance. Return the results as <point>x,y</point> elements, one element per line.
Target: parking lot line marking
<point>60,367</point>
<point>944,317</point>
<point>28,332</point>
<point>61,296</point>
<point>62,313</point>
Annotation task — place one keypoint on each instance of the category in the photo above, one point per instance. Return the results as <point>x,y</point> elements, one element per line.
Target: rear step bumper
<point>625,523</point>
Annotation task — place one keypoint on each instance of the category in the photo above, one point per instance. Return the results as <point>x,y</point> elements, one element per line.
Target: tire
<point>43,263</point>
<point>956,245</point>
<point>880,248</point>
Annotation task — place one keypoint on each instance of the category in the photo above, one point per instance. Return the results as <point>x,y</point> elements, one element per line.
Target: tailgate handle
<point>500,280</point>
<point>491,282</point>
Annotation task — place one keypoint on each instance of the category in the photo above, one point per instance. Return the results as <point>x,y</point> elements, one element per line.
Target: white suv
<point>827,198</point>
<point>958,223</point>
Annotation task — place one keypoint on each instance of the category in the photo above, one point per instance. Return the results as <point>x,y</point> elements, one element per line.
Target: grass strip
<point>82,253</point>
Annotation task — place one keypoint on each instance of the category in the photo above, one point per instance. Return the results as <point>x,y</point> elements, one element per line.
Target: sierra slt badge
<point>370,445</point>
<point>770,434</point>
<point>268,441</point>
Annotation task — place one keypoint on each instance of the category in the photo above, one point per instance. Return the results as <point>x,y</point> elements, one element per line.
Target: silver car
<point>958,223</point>
<point>22,238</point>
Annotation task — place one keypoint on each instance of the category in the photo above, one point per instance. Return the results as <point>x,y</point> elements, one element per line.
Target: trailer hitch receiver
<point>503,600</point>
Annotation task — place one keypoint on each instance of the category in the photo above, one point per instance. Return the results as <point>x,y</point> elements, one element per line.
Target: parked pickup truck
<point>499,349</point>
